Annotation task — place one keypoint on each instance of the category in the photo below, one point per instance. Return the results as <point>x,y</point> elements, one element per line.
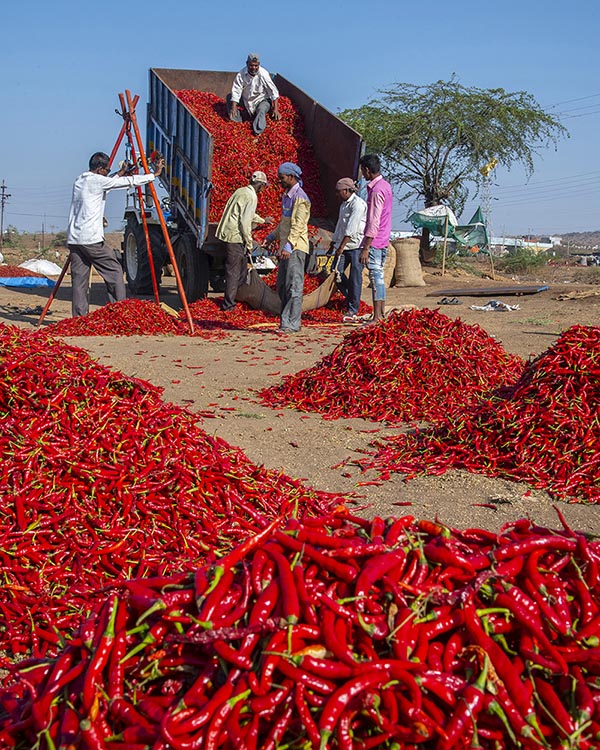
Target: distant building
<point>505,244</point>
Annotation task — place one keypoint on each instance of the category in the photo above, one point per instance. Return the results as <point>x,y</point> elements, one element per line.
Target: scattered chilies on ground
<point>131,317</point>
<point>145,318</point>
<point>18,272</point>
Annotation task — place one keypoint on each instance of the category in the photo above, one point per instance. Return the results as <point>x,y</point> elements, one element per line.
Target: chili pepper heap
<point>544,429</point>
<point>335,633</point>
<point>237,152</point>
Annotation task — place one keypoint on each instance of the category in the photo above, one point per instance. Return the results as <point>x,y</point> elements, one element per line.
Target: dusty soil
<point>223,377</point>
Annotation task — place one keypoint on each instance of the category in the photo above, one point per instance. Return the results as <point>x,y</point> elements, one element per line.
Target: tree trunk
<point>426,252</point>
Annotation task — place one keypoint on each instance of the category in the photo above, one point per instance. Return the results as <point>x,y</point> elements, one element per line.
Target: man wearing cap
<point>292,234</point>
<point>346,242</point>
<point>235,230</point>
<point>254,87</point>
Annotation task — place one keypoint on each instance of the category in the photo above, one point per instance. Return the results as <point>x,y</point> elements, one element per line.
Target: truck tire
<point>137,267</point>
<point>193,268</point>
<point>215,253</point>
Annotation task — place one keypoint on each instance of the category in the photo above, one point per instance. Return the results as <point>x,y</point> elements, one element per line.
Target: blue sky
<point>65,62</point>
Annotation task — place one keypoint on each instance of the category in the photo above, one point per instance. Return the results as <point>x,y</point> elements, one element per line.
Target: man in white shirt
<point>85,230</point>
<point>346,241</point>
<point>254,87</point>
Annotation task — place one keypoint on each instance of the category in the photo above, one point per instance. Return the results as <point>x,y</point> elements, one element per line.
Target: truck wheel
<point>217,279</point>
<point>137,267</point>
<point>214,254</point>
<point>193,268</point>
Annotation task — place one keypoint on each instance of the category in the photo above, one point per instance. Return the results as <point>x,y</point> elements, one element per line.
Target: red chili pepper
<point>219,718</point>
<point>371,678</point>
<point>306,718</point>
<point>500,661</point>
<point>375,569</point>
<point>291,604</point>
<point>235,556</point>
<point>278,729</point>
<point>343,571</point>
<point>315,683</point>
<point>91,737</point>
<point>524,610</point>
<point>553,705</point>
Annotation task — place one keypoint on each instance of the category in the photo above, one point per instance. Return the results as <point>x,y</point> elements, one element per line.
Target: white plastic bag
<point>46,267</point>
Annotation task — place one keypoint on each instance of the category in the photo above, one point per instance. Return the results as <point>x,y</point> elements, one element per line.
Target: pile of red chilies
<point>134,317</point>
<point>237,152</point>
<point>415,365</point>
<point>100,479</point>
<point>335,633</point>
<point>16,271</point>
<point>130,317</point>
<point>545,430</point>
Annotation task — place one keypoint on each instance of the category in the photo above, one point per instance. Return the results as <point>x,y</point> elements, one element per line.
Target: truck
<point>187,147</point>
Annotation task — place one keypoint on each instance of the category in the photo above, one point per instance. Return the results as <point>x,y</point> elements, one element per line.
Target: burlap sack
<point>389,268</point>
<point>320,296</point>
<point>258,295</point>
<point>408,270</point>
<point>261,297</point>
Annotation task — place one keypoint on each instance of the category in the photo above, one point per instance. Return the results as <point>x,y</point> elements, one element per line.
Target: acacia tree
<point>434,139</point>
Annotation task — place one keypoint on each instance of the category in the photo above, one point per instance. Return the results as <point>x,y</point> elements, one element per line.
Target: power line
<point>568,101</point>
<point>39,216</point>
<point>584,114</point>
<point>577,109</point>
<point>566,187</point>
<point>561,191</point>
<point>545,182</point>
<point>542,198</point>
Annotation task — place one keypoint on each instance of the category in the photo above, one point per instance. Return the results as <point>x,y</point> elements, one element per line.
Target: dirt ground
<point>223,377</point>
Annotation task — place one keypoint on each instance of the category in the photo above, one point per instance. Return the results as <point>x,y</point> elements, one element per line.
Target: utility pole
<point>4,196</point>
<point>486,208</point>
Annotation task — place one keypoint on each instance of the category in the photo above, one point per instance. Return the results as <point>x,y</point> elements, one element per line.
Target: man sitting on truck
<point>235,230</point>
<point>255,88</point>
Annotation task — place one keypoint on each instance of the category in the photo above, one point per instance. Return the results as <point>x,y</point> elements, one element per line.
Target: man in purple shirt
<point>377,230</point>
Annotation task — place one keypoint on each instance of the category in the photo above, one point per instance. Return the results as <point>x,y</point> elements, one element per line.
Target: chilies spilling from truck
<point>188,147</point>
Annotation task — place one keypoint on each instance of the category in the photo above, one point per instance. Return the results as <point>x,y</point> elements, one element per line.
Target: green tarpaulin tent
<point>472,234</point>
<point>438,219</point>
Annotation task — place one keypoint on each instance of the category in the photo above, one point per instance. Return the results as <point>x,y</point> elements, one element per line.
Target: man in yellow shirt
<point>292,233</point>
<point>235,230</point>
